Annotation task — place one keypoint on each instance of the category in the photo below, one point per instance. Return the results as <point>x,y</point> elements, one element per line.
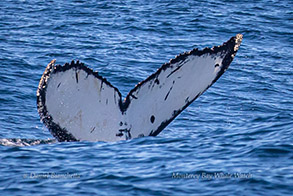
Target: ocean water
<point>237,138</point>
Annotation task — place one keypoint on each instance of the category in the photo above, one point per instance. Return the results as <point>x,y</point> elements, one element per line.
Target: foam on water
<point>25,142</point>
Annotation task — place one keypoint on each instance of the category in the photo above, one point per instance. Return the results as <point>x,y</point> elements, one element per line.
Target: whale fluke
<point>76,103</point>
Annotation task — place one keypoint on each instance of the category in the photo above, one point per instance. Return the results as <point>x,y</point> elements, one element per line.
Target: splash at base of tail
<point>25,142</point>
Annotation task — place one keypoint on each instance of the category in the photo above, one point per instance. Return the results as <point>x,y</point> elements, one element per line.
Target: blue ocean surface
<point>236,139</point>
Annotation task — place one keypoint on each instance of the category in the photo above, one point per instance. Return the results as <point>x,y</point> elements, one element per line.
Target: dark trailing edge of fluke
<point>63,135</point>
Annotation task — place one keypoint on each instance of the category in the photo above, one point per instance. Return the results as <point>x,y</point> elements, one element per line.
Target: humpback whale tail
<point>76,103</point>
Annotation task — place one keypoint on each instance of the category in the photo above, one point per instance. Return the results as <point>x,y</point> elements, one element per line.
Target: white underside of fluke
<point>160,101</point>
<point>87,108</point>
<point>74,100</point>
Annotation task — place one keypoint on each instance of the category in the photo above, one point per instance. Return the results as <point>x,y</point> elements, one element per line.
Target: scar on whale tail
<point>76,103</point>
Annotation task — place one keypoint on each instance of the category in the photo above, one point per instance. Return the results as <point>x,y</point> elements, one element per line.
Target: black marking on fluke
<point>62,134</point>
<point>93,129</point>
<point>152,119</point>
<point>175,70</point>
<point>157,81</point>
<point>124,131</point>
<point>169,91</point>
<point>134,97</point>
<point>76,76</point>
